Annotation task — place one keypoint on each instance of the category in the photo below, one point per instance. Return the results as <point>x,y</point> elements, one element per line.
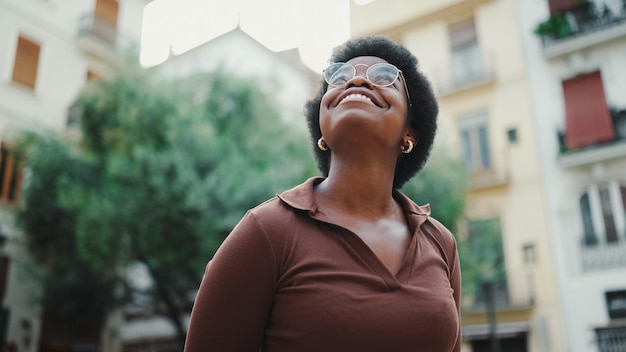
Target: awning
<point>503,330</point>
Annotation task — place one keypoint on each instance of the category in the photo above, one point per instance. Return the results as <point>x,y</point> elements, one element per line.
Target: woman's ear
<point>411,136</point>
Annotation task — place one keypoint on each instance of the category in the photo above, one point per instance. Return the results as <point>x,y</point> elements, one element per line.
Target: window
<point>10,174</point>
<point>529,253</point>
<point>589,236</point>
<point>475,142</point>
<point>467,63</point>
<point>26,62</point>
<point>93,76</point>
<point>105,19</point>
<point>602,210</point>
<point>587,116</point>
<point>511,135</point>
<point>616,304</point>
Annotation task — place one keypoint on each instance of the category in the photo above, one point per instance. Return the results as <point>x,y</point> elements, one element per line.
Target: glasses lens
<point>382,74</point>
<point>339,74</point>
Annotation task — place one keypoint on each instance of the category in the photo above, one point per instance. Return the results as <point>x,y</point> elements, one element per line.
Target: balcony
<point>611,339</point>
<point>488,179</point>
<point>468,71</point>
<point>584,25</point>
<point>597,255</point>
<point>101,38</point>
<point>596,153</point>
<point>515,295</point>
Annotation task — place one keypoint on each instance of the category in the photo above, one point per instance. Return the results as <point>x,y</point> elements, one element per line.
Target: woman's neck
<point>361,191</point>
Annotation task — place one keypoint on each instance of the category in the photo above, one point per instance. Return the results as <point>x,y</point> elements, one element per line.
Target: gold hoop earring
<point>321,143</point>
<point>407,150</point>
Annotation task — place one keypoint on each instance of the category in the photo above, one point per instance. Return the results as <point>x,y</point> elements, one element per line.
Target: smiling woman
<point>343,262</point>
<point>175,26</point>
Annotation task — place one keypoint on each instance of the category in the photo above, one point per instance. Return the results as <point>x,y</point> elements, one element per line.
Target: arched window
<point>603,213</point>
<point>589,235</point>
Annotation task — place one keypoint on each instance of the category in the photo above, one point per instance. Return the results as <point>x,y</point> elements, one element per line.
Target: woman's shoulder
<point>286,208</point>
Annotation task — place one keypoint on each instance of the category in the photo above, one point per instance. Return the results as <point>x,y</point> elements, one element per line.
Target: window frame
<point>475,142</point>
<point>599,198</point>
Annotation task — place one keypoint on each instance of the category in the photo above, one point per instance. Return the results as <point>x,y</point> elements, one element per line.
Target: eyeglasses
<point>381,75</point>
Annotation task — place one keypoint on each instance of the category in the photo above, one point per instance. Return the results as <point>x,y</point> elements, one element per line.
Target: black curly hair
<point>422,111</point>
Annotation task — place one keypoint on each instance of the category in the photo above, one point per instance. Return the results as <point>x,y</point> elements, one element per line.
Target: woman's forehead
<point>367,60</point>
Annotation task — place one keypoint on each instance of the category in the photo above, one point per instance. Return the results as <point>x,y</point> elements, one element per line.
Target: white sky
<point>314,26</point>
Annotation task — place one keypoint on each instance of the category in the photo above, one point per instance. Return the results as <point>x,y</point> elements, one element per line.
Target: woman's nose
<point>359,80</point>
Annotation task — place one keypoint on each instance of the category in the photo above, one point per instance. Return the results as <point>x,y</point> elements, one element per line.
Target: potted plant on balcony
<point>555,27</point>
<point>618,116</point>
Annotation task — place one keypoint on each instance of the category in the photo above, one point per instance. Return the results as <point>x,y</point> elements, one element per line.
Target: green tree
<point>161,174</point>
<point>482,258</point>
<point>443,184</point>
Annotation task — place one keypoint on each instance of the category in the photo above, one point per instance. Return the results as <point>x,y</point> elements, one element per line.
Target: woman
<point>343,262</point>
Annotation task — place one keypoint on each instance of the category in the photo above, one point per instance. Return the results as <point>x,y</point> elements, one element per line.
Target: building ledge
<point>581,42</point>
<point>502,330</point>
<point>448,90</point>
<point>592,155</point>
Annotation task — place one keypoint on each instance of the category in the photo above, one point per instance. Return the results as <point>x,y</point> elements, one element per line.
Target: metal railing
<point>584,18</point>
<point>105,32</point>
<point>602,255</point>
<point>477,70</point>
<point>515,293</point>
<point>618,120</point>
<point>611,339</point>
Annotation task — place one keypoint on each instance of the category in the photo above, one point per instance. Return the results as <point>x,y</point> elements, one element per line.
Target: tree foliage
<point>442,184</point>
<point>162,173</point>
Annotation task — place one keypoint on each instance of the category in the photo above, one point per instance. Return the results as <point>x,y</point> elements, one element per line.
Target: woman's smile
<point>356,97</point>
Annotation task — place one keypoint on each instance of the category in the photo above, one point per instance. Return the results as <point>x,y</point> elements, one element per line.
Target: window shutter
<point>26,62</point>
<point>107,10</point>
<point>588,120</point>
<point>560,6</point>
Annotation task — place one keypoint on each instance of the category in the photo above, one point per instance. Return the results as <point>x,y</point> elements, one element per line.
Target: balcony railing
<point>585,18</point>
<point>618,119</point>
<point>611,339</point>
<point>469,68</point>
<point>104,34</point>
<point>515,294</point>
<point>602,255</point>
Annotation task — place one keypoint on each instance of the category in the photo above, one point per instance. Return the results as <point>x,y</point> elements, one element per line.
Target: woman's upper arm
<point>455,282</point>
<point>235,297</point>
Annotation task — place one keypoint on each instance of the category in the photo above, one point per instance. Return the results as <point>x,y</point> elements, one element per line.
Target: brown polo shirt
<point>286,280</point>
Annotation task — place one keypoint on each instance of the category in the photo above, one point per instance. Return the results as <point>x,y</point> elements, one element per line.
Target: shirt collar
<point>302,197</point>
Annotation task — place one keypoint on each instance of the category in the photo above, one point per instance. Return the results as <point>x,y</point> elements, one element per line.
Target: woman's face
<point>359,111</point>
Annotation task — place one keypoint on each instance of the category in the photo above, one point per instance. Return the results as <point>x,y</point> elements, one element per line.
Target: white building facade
<point>577,79</point>
<point>48,50</point>
<point>280,74</point>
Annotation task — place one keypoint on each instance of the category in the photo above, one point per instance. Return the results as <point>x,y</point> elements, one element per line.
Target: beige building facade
<point>472,52</point>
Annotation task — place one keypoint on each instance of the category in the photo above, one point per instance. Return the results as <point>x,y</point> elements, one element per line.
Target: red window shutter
<point>588,120</point>
<point>560,6</point>
<point>107,10</point>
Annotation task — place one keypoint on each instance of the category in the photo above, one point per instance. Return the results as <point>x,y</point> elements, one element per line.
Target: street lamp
<point>4,275</point>
<point>490,297</point>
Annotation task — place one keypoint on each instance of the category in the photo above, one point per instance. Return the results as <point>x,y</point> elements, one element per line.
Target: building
<point>576,52</point>
<point>472,52</point>
<point>48,50</point>
<point>281,74</point>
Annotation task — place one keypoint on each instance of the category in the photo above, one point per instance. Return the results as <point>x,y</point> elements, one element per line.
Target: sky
<point>313,26</point>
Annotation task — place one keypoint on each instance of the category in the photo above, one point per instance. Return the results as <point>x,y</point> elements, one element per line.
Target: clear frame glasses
<point>381,74</point>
